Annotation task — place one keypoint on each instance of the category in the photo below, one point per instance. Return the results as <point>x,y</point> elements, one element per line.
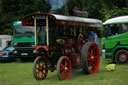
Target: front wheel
<point>90,58</point>
<point>40,68</point>
<point>121,57</point>
<point>63,68</point>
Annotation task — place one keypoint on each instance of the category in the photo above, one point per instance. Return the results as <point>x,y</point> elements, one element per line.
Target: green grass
<point>21,74</point>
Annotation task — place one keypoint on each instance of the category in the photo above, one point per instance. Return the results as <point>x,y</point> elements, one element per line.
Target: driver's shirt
<point>92,37</point>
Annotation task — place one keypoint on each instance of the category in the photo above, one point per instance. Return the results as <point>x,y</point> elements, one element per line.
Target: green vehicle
<point>23,40</point>
<point>115,42</point>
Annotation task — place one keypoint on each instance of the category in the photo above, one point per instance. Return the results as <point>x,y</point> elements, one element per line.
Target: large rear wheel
<point>40,68</point>
<point>63,68</point>
<point>90,58</point>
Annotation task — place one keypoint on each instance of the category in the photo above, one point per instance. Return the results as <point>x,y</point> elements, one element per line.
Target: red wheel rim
<point>41,69</point>
<point>65,69</point>
<point>93,58</point>
<point>123,57</point>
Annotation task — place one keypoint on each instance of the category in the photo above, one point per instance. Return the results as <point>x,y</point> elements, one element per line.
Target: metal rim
<point>123,57</point>
<point>41,68</point>
<point>64,68</point>
<point>93,58</point>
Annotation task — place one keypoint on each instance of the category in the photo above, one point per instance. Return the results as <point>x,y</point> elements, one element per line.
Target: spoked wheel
<point>90,58</point>
<point>40,68</point>
<point>63,68</point>
<point>121,57</point>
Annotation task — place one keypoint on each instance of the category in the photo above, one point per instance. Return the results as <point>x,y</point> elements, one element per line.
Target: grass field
<point>21,74</point>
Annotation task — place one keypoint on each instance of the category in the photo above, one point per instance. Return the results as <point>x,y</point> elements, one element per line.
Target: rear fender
<point>40,49</point>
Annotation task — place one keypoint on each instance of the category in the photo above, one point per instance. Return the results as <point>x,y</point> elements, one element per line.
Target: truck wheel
<point>90,58</point>
<point>121,57</point>
<point>63,68</point>
<point>40,68</point>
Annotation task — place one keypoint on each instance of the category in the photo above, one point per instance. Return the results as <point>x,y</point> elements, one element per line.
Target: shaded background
<point>11,10</point>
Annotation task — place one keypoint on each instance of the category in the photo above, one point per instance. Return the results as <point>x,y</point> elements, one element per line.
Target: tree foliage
<point>113,8</point>
<point>11,10</point>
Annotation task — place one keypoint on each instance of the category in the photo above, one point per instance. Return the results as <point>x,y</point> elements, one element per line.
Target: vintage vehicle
<point>60,43</point>
<point>115,40</point>
<point>23,41</point>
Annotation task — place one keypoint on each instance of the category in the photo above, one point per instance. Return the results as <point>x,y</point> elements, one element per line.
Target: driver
<point>42,35</point>
<point>93,38</point>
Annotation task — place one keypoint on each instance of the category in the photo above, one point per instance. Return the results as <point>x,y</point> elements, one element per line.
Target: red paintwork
<point>71,23</point>
<point>60,19</point>
<point>41,69</point>
<point>75,59</point>
<point>29,19</point>
<point>39,48</point>
<point>93,58</point>
<point>65,69</point>
<point>69,49</point>
<point>46,48</point>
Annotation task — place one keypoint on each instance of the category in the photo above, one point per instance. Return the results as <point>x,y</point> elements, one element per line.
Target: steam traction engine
<point>61,45</point>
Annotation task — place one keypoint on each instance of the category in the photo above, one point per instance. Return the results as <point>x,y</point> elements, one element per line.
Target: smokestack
<point>78,13</point>
<point>52,12</point>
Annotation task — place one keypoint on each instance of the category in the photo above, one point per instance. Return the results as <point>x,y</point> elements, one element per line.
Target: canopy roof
<point>117,20</point>
<point>61,19</point>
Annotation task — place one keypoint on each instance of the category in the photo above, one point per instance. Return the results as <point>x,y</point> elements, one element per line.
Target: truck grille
<point>25,44</point>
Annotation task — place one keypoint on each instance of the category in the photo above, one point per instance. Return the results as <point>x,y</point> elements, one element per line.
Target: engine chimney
<point>78,13</point>
<point>52,12</point>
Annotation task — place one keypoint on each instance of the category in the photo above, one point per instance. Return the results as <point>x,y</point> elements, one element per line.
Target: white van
<point>5,40</point>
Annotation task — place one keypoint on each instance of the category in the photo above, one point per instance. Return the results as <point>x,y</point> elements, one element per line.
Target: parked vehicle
<point>115,41</point>
<point>7,54</point>
<point>5,40</point>
<point>23,41</point>
<point>60,43</point>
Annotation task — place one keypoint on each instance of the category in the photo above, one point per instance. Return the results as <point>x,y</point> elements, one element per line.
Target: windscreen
<point>23,31</point>
<point>9,48</point>
<point>115,29</point>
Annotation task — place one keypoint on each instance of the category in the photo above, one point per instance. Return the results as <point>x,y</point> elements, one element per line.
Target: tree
<point>11,10</point>
<point>93,7</point>
<point>113,8</point>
